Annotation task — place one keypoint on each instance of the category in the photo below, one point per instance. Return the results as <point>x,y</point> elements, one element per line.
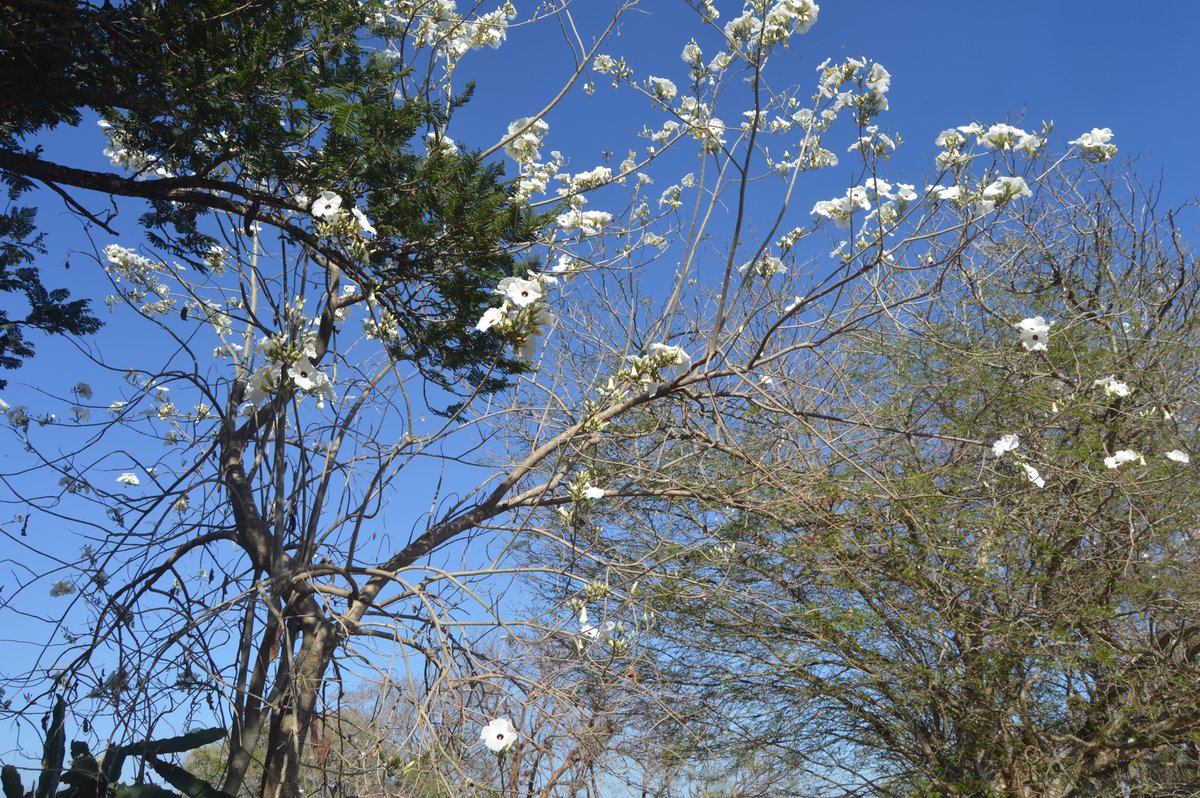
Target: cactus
<point>12,783</point>
<point>53,752</point>
<point>84,776</point>
<point>114,760</point>
<point>88,778</point>
<point>142,791</point>
<point>176,745</point>
<point>185,782</point>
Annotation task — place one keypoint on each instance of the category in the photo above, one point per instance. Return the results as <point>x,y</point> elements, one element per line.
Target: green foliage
<point>896,587</point>
<point>248,108</point>
<point>51,311</point>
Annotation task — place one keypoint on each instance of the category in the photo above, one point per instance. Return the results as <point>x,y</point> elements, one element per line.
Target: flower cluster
<point>702,125</point>
<point>872,82</point>
<point>1001,137</point>
<point>523,315</point>
<point>893,200</point>
<point>1113,387</point>
<point>288,364</point>
<point>840,210</point>
<point>1001,191</point>
<point>1009,443</point>
<point>437,24</point>
<point>661,363</point>
<point>327,207</point>
<point>119,153</point>
<point>766,26</point>
<point>661,89</point>
<point>1095,146</point>
<point>590,631</point>
<point>525,139</point>
<point>1123,456</point>
<point>585,223</point>
<point>145,287</point>
<point>765,267</point>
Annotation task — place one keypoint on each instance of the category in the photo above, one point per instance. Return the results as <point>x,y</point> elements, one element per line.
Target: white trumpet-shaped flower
<point>1006,443</point>
<point>1033,475</point>
<point>1123,456</point>
<point>1034,333</point>
<point>327,205</point>
<point>1113,387</point>
<point>498,735</point>
<point>519,291</point>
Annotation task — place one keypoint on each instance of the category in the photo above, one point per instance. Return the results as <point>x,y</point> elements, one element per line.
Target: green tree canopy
<point>255,108</point>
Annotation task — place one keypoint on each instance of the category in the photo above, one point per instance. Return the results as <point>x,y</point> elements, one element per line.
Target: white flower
<point>1095,144</point>
<point>1122,456</point>
<point>327,205</point>
<point>586,629</point>
<point>906,192</point>
<point>3,406</point>
<point>946,192</point>
<point>1097,136</point>
<point>949,140</point>
<point>1002,137</point>
<point>491,317</point>
<point>519,291</point>
<point>1179,457</point>
<point>662,89</point>
<point>1033,475</point>
<point>671,356</point>
<point>305,374</point>
<point>1006,188</point>
<point>527,133</point>
<point>841,209</point>
<point>592,492</point>
<point>1113,387</point>
<point>498,735</point>
<point>720,63</point>
<point>879,80</point>
<point>586,222</point>
<point>1034,333</point>
<point>129,478</point>
<point>590,631</point>
<point>1006,443</point>
<point>691,53</point>
<point>364,223</point>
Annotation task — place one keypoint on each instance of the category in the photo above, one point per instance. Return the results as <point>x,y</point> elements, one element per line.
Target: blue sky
<point>1099,64</point>
<point>1082,65</point>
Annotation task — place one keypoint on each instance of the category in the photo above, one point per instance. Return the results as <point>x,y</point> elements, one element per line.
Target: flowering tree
<point>252,109</point>
<point>331,508</point>
<point>958,559</point>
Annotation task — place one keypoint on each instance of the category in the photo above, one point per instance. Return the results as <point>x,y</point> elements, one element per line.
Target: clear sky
<point>1129,67</point>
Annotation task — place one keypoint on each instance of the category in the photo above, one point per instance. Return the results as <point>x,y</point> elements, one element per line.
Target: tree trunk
<point>293,715</point>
